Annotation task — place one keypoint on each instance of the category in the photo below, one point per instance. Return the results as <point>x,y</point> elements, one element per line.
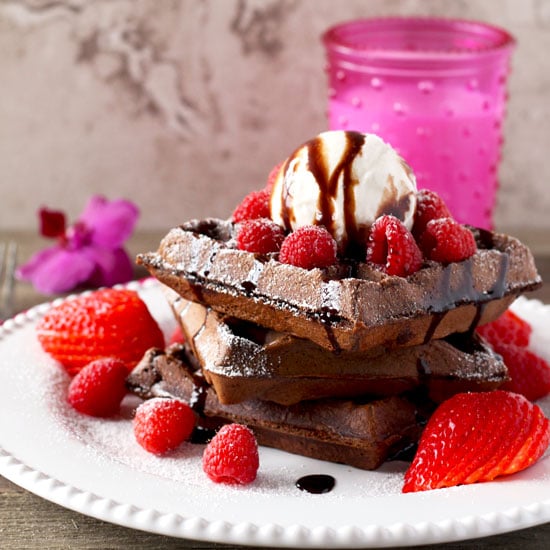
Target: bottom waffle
<point>359,433</point>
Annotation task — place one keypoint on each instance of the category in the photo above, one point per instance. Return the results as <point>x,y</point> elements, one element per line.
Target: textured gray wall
<point>184,106</point>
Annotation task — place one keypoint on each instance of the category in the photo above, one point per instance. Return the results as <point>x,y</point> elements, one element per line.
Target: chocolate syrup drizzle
<point>197,402</point>
<point>328,186</point>
<point>327,181</point>
<point>466,294</point>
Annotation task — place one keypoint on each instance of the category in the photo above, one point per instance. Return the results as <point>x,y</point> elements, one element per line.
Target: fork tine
<point>8,262</point>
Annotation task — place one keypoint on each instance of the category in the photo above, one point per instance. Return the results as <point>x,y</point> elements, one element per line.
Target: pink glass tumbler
<point>435,89</point>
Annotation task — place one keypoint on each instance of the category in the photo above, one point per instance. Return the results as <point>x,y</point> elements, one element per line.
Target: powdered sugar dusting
<point>109,441</point>
<point>112,440</point>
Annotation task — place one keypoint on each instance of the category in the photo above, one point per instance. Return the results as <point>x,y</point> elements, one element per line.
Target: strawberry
<point>104,323</point>
<point>254,205</point>
<point>392,248</point>
<point>509,336</point>
<point>309,247</point>
<point>475,437</point>
<point>445,240</point>
<point>529,373</point>
<point>508,329</point>
<point>429,206</point>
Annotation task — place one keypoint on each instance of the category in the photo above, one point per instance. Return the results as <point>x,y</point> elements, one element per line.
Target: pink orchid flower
<point>89,253</point>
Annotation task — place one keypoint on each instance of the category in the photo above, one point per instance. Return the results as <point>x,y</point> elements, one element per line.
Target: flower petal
<point>57,270</point>
<point>52,222</point>
<point>111,266</point>
<point>112,222</point>
<point>26,271</point>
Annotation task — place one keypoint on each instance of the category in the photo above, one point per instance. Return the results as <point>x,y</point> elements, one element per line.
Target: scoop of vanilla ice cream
<point>344,181</point>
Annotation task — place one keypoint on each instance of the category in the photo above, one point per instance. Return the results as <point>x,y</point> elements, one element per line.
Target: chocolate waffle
<point>349,306</point>
<point>244,361</point>
<point>363,434</point>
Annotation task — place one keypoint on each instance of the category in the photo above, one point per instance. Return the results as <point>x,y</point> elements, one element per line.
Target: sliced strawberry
<point>104,323</point>
<point>473,459</point>
<point>503,452</point>
<point>535,445</point>
<point>515,454</point>
<point>476,437</point>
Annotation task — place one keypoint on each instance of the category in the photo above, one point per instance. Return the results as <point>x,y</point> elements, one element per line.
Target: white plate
<point>95,467</point>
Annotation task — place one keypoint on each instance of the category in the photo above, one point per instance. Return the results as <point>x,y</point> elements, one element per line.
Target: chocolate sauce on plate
<point>316,484</point>
<point>202,435</point>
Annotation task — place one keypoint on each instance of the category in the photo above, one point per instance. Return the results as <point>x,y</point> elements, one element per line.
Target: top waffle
<point>350,305</point>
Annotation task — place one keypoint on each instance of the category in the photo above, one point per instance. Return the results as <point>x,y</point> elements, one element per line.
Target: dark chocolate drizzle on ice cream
<point>328,180</point>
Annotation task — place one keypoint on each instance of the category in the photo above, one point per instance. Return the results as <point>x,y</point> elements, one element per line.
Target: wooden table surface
<point>30,522</point>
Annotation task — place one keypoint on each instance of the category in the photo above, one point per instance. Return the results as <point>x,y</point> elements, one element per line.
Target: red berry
<point>260,236</point>
<point>446,241</point>
<point>429,206</point>
<point>232,456</point>
<point>162,424</point>
<point>273,176</point>
<point>529,373</point>
<point>509,336</point>
<point>105,323</point>
<point>99,387</point>
<point>476,437</point>
<point>309,247</point>
<point>254,205</point>
<point>509,328</point>
<point>392,248</point>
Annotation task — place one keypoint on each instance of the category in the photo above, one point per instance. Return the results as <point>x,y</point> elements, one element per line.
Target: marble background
<point>184,106</point>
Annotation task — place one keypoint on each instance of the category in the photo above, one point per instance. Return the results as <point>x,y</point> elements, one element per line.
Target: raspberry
<point>529,373</point>
<point>429,206</point>
<point>105,323</point>
<point>308,247</point>
<point>232,456</point>
<point>392,247</point>
<point>260,236</point>
<point>254,205</point>
<point>509,328</point>
<point>162,424</point>
<point>99,387</point>
<point>446,241</point>
<point>475,437</point>
<point>273,176</point>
